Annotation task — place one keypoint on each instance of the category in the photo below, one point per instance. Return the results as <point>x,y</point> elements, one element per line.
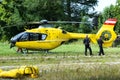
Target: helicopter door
<point>34,40</point>
<point>24,40</point>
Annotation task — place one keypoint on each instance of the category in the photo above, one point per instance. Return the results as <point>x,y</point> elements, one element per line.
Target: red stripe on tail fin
<point>111,21</point>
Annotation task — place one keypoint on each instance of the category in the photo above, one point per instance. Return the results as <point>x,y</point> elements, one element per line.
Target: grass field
<point>66,62</point>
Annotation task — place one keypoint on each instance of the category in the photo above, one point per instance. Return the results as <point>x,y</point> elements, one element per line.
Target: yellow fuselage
<point>50,38</point>
<point>55,37</point>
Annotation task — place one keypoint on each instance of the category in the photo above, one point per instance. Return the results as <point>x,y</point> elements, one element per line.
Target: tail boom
<point>106,31</point>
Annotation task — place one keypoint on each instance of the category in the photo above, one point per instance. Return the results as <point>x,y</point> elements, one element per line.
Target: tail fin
<point>107,32</point>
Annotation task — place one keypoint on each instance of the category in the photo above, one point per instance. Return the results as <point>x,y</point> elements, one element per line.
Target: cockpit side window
<point>43,36</point>
<point>34,37</point>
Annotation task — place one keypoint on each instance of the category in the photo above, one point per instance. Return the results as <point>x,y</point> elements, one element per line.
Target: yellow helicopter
<point>47,38</point>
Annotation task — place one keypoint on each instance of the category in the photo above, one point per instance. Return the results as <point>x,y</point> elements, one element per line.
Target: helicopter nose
<point>12,42</point>
<point>14,39</point>
<point>12,45</point>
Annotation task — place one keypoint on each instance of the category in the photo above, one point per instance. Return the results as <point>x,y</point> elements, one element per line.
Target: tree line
<point>15,13</point>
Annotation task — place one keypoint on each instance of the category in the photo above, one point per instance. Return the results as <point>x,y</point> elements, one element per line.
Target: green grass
<point>66,62</point>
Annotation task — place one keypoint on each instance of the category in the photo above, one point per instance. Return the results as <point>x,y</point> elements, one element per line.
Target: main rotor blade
<point>66,22</point>
<point>59,22</point>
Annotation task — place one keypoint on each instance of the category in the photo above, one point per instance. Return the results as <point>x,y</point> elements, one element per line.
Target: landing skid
<point>27,51</point>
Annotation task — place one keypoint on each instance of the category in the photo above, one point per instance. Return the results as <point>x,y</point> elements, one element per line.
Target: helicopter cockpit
<point>27,36</point>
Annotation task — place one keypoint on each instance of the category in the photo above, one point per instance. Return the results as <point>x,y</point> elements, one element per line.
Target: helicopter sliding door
<point>35,40</point>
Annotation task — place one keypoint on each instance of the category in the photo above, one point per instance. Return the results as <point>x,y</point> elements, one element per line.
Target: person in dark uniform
<point>100,43</point>
<point>86,42</point>
<point>20,50</point>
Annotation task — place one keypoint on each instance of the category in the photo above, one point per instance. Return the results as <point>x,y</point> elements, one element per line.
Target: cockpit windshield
<point>17,36</point>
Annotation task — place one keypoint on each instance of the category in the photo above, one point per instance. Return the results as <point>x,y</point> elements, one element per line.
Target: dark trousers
<point>101,52</point>
<point>90,50</point>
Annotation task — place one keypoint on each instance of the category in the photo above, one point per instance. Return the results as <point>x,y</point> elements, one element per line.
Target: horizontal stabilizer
<point>110,21</point>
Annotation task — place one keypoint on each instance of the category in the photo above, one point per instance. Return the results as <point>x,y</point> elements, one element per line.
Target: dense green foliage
<point>15,13</point>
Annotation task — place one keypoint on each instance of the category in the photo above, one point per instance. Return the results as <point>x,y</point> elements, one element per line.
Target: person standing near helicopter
<point>86,42</point>
<point>100,43</point>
